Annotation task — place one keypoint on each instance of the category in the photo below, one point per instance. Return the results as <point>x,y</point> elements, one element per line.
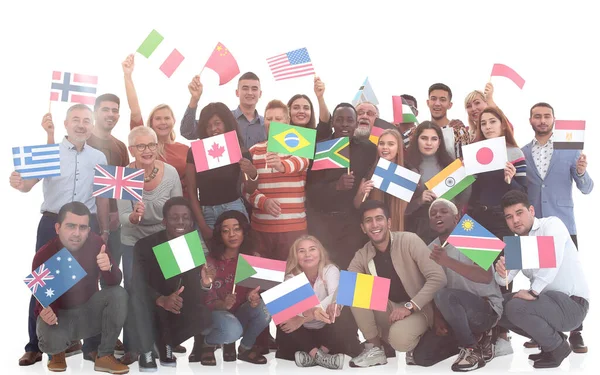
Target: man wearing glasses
<point>366,112</point>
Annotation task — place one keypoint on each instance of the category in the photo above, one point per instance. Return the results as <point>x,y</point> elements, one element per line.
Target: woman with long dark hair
<point>302,111</point>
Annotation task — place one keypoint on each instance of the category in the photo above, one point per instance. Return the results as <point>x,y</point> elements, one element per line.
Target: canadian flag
<point>217,151</point>
<point>485,156</point>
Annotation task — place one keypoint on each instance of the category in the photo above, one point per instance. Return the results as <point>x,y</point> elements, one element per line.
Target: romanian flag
<point>364,291</point>
<point>171,57</point>
<point>223,63</point>
<point>451,181</point>
<point>290,298</point>
<point>529,252</point>
<point>476,242</point>
<point>332,154</point>
<point>292,140</point>
<point>568,135</point>
<point>251,272</point>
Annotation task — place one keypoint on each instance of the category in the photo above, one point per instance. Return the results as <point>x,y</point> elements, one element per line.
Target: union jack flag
<point>38,277</point>
<point>118,182</point>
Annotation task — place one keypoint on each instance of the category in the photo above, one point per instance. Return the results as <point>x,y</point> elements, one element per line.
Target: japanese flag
<point>485,156</point>
<point>217,151</point>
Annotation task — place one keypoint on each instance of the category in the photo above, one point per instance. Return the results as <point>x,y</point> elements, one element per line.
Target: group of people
<point>319,222</point>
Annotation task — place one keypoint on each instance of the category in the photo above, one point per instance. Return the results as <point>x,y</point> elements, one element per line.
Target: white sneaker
<point>303,359</point>
<point>503,347</point>
<point>371,356</point>
<point>330,361</point>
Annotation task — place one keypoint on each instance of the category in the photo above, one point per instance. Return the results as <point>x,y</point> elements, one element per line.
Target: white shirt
<point>542,153</point>
<point>568,276</point>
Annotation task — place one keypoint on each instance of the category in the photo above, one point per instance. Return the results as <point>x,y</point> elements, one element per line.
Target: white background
<point>402,46</point>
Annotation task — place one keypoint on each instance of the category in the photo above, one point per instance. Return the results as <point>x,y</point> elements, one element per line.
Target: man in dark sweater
<point>84,310</point>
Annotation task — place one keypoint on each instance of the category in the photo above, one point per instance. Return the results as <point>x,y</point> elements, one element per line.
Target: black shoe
<point>196,351</point>
<point>536,356</point>
<point>147,363</point>
<point>487,347</point>
<point>167,358</point>
<point>554,358</point>
<point>577,344</point>
<point>531,344</point>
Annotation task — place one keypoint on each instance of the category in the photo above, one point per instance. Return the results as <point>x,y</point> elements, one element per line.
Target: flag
<point>365,94</point>
<point>485,156</point>
<point>222,62</point>
<point>395,180</point>
<point>37,161</point>
<point>256,271</point>
<point>172,57</point>
<point>293,64</point>
<point>179,255</point>
<point>529,252</point>
<point>378,127</point>
<point>568,135</point>
<point>402,112</point>
<point>476,242</point>
<point>118,182</point>
<point>291,140</point>
<point>73,88</point>
<point>364,291</point>
<point>505,71</point>
<point>290,298</point>
<point>216,151</point>
<point>54,277</point>
<point>451,181</point>
<point>332,154</point>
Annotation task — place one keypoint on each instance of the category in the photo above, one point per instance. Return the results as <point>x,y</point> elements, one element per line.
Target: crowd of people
<point>319,222</point>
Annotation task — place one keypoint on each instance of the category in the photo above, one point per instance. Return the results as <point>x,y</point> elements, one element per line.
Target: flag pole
<point>348,169</point>
<point>445,243</point>
<point>365,196</point>
<point>233,291</point>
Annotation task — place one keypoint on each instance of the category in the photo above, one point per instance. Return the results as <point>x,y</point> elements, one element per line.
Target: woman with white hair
<point>141,219</point>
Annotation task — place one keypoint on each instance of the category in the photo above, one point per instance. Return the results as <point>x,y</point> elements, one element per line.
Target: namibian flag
<point>451,181</point>
<point>568,135</point>
<point>292,140</point>
<point>252,271</point>
<point>364,291</point>
<point>332,154</point>
<point>290,298</point>
<point>529,252</point>
<point>476,242</point>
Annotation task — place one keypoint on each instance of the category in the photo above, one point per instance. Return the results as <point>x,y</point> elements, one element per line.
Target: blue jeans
<point>211,213</point>
<point>245,322</point>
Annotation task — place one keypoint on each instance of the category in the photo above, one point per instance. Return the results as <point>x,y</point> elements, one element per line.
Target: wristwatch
<point>532,293</point>
<point>410,306</point>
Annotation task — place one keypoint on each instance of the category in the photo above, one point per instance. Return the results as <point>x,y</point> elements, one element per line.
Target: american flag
<point>118,182</point>
<point>37,161</point>
<point>54,277</point>
<point>291,65</point>
<point>73,87</point>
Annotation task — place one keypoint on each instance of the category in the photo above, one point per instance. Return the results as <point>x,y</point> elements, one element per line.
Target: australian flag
<point>54,277</point>
<point>118,182</point>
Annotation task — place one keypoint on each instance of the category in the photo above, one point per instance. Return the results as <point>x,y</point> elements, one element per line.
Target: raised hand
<point>274,161</point>
<point>47,123</point>
<point>248,168</point>
<point>128,65</point>
<point>428,196</point>
<point>319,87</point>
<point>195,87</point>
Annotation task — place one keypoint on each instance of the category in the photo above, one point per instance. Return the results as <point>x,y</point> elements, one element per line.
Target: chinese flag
<point>223,63</point>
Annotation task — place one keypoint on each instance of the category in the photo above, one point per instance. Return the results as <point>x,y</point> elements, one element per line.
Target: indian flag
<point>451,181</point>
<point>568,135</point>
<point>179,255</point>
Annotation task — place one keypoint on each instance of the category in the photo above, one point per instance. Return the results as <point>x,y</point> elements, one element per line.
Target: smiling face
<point>300,112</point>
<point>542,120</point>
<point>178,221</point>
<point>232,234</point>
<point>441,218</point>
<point>308,255</point>
<point>439,103</point>
<point>474,108</point>
<point>148,153</point>
<point>387,148</point>
<point>162,123</point>
<point>107,115</point>
<point>491,126</point>
<point>249,92</point>
<point>367,113</point>
<point>215,126</point>
<point>429,142</point>
<point>376,226</point>
<point>73,231</point>
<point>344,122</point>
<point>79,125</point>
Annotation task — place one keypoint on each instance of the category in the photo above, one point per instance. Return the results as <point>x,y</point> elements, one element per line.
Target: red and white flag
<point>73,88</point>
<point>485,156</point>
<point>217,151</point>
<point>568,135</point>
<point>506,71</point>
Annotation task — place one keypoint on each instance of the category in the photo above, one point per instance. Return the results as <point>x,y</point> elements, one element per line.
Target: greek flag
<point>37,161</point>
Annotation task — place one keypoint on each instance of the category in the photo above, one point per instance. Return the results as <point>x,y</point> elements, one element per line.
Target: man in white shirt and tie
<point>558,298</point>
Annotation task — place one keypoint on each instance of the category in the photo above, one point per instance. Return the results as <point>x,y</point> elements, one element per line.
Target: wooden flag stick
<point>506,277</point>
<point>445,243</point>
<point>348,169</point>
<point>233,291</point>
<point>365,196</point>
<point>245,176</point>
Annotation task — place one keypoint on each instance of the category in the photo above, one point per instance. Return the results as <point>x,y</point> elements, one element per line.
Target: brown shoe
<point>110,364</point>
<point>57,362</point>
<point>90,356</point>
<point>128,358</point>
<point>29,358</point>
<point>74,349</point>
<point>179,349</point>
<point>119,348</point>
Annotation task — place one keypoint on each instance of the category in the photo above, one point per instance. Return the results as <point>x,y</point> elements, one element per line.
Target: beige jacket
<point>420,276</point>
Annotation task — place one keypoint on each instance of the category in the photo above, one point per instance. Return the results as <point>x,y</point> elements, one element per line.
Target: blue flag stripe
<point>389,176</point>
<point>512,253</point>
<point>290,299</point>
<point>346,288</point>
<point>28,169</point>
<point>477,231</point>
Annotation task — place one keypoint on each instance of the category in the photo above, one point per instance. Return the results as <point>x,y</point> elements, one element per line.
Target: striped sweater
<point>287,187</point>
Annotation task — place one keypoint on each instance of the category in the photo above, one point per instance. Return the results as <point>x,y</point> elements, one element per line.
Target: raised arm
<point>189,125</point>
<point>319,92</point>
<point>132,98</point>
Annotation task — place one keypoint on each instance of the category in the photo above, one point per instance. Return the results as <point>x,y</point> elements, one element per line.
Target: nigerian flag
<point>179,255</point>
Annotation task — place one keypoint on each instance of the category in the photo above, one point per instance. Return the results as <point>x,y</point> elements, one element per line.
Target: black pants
<point>432,349</point>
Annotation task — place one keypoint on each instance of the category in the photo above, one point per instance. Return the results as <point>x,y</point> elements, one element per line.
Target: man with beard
<point>455,133</point>
<point>175,306</point>
<point>403,258</point>
<point>550,176</point>
<point>367,113</point>
<point>558,298</point>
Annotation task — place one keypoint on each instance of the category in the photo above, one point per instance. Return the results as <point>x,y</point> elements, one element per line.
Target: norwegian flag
<point>73,87</point>
<point>38,278</point>
<point>118,182</point>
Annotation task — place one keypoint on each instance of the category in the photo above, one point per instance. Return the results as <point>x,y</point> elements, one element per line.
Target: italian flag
<point>168,57</point>
<point>451,181</point>
<point>179,255</point>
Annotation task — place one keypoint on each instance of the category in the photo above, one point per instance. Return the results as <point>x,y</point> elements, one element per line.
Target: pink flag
<point>505,71</point>
<point>171,63</point>
<point>397,105</point>
<point>217,151</point>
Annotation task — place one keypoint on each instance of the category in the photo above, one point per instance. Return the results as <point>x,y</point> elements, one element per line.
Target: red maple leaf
<point>216,151</point>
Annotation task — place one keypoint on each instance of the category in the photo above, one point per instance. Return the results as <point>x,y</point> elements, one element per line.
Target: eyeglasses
<point>142,147</point>
<point>368,113</point>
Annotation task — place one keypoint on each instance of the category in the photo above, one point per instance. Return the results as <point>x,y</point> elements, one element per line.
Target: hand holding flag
<point>103,260</point>
<point>48,316</point>
<point>581,164</point>
<point>128,64</point>
<point>138,212</point>
<point>333,311</point>
<point>195,87</point>
<point>207,273</point>
<point>509,172</point>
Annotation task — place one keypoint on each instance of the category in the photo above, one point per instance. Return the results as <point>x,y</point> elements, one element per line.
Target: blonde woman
<point>475,102</point>
<point>161,120</point>
<point>319,336</point>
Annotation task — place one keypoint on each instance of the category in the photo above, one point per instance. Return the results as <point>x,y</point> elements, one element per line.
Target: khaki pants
<point>403,335</point>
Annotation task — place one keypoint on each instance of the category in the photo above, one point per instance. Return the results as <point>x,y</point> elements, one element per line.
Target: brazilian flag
<point>332,154</point>
<point>291,140</point>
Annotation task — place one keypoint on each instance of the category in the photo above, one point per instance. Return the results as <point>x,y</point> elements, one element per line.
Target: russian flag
<point>290,298</point>
<point>529,252</point>
<point>364,291</point>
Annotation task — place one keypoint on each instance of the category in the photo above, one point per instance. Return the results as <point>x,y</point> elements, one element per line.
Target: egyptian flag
<point>568,135</point>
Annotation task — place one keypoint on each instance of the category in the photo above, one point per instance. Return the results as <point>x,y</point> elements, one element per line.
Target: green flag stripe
<point>458,188</point>
<point>409,117</point>
<point>150,44</point>
<point>243,270</point>
<point>166,260</point>
<point>195,245</point>
<point>482,258</point>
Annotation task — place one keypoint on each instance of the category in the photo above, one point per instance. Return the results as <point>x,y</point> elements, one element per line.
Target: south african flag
<point>332,154</point>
